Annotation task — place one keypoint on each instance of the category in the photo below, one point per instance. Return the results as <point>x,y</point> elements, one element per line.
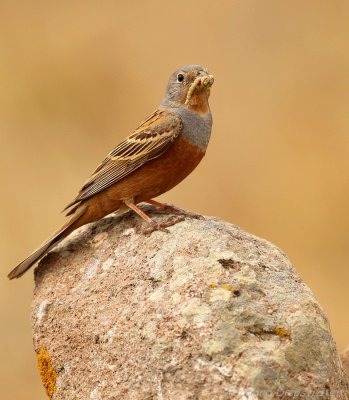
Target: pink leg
<point>156,203</point>
<point>138,211</point>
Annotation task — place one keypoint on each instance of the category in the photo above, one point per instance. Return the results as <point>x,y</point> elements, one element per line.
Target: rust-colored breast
<point>153,178</point>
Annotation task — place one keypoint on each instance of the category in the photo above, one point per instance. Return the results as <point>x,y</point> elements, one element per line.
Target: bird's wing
<point>147,142</point>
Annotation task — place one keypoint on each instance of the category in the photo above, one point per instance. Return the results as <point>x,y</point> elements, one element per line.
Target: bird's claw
<point>153,226</point>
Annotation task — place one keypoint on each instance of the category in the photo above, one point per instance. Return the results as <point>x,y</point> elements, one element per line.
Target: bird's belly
<point>159,175</point>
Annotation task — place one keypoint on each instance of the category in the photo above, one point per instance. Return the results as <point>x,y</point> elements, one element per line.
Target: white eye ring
<point>180,78</point>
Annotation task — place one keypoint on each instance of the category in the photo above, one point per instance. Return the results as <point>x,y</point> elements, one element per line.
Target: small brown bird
<point>158,155</point>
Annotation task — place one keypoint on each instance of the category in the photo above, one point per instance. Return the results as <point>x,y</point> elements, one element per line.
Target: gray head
<point>189,86</point>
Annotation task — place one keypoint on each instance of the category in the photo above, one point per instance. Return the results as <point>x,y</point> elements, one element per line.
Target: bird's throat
<point>198,102</point>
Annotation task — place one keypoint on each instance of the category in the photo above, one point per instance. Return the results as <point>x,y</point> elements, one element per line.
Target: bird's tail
<point>74,222</point>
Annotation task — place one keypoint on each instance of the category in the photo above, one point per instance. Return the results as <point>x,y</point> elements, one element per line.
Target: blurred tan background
<point>77,77</point>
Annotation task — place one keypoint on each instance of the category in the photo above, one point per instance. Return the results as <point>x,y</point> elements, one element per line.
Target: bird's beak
<point>204,82</point>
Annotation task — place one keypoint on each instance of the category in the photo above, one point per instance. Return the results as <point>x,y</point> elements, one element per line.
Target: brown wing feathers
<point>149,141</point>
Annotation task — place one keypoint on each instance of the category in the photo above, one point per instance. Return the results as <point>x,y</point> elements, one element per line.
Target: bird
<point>154,158</point>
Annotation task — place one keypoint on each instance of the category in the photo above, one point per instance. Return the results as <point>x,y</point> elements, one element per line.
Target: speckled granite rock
<point>203,311</point>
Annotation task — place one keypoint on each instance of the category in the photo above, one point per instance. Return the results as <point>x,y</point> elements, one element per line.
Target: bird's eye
<point>180,78</point>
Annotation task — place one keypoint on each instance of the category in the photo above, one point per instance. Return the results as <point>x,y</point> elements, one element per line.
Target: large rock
<point>202,311</point>
<point>345,360</point>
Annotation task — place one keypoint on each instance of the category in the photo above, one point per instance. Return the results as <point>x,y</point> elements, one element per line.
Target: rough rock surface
<point>345,360</point>
<point>203,311</point>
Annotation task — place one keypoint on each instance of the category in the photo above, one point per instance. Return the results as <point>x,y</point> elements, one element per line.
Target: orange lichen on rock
<point>47,372</point>
<point>282,332</point>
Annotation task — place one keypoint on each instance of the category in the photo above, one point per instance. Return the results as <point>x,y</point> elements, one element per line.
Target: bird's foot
<point>164,208</point>
<point>175,215</point>
<point>162,226</point>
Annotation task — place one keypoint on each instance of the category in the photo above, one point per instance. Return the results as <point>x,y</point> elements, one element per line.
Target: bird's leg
<point>137,210</point>
<point>181,214</point>
<point>156,203</point>
<point>153,226</point>
<point>172,209</point>
<point>163,206</point>
<point>178,215</point>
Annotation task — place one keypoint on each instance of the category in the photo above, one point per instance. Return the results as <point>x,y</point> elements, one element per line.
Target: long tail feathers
<point>48,245</point>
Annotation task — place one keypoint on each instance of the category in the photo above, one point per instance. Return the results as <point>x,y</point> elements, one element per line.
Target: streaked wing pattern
<point>149,141</point>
